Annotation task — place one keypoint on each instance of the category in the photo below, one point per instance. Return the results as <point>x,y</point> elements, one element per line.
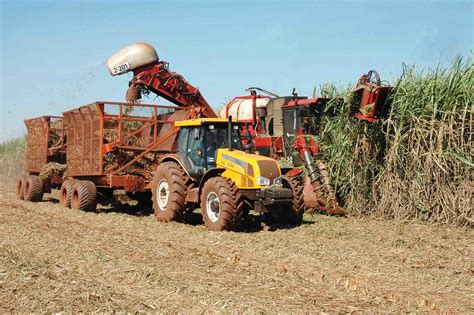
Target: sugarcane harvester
<point>282,125</point>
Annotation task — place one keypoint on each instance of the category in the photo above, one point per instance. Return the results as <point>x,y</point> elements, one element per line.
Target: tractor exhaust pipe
<point>229,132</point>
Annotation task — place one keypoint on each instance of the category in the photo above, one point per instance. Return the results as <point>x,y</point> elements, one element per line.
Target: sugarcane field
<point>217,157</point>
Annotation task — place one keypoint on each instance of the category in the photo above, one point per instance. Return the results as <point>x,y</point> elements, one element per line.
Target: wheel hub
<point>213,206</point>
<point>162,194</point>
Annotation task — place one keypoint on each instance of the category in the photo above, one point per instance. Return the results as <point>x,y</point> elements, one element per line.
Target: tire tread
<point>231,200</point>
<point>177,180</point>
<point>35,189</point>
<point>87,196</point>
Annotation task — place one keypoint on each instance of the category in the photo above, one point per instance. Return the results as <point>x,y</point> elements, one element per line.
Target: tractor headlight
<point>263,181</point>
<point>278,181</point>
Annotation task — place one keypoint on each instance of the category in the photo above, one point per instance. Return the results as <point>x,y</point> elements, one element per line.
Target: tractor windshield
<point>217,137</point>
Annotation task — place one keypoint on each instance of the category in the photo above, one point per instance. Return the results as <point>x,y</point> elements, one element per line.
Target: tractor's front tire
<point>84,196</point>
<point>66,191</point>
<point>169,192</point>
<point>221,204</point>
<point>33,188</point>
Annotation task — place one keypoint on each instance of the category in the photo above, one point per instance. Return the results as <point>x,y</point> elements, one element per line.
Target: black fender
<point>177,159</point>
<point>195,173</point>
<point>208,175</point>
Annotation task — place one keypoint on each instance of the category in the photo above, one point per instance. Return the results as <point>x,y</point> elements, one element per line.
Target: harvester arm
<point>172,86</point>
<point>152,74</point>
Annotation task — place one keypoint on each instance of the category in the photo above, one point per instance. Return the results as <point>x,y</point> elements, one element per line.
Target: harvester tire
<point>169,192</point>
<point>222,205</point>
<point>84,195</point>
<point>33,188</point>
<point>291,215</point>
<point>20,188</point>
<point>66,191</point>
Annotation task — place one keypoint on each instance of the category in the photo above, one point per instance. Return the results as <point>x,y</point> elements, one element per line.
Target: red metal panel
<point>44,142</point>
<point>263,141</point>
<point>84,134</point>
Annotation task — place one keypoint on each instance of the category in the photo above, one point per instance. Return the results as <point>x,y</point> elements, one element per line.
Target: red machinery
<point>283,125</point>
<point>369,97</point>
<point>170,85</point>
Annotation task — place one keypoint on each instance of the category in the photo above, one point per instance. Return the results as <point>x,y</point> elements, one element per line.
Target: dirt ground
<point>55,259</point>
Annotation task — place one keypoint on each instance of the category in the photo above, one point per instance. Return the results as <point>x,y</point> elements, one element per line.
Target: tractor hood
<point>248,171</point>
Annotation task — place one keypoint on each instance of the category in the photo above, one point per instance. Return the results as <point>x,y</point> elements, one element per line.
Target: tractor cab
<point>199,139</point>
<point>305,116</point>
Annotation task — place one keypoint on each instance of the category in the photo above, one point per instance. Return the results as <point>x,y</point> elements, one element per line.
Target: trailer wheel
<point>84,195</point>
<point>67,188</point>
<point>291,215</point>
<point>221,204</point>
<point>169,192</point>
<point>33,188</point>
<point>20,188</point>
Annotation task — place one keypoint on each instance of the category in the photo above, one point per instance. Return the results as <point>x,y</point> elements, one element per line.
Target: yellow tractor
<point>211,171</point>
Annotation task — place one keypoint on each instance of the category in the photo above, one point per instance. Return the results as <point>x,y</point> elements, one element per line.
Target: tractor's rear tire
<point>66,191</point>
<point>20,188</point>
<point>84,196</point>
<point>221,204</point>
<point>33,188</point>
<point>292,215</point>
<point>169,192</point>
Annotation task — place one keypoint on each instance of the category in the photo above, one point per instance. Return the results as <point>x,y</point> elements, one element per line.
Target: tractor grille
<point>269,169</point>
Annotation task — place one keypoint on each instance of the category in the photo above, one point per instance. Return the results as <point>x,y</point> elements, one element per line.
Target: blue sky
<point>52,53</point>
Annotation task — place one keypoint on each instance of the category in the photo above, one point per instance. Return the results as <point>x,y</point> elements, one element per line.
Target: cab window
<point>182,141</point>
<point>195,146</point>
